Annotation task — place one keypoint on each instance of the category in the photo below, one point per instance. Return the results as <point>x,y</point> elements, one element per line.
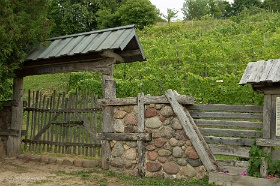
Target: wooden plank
<point>247,73</point>
<point>27,118</point>
<point>273,117</point>
<point>68,110</point>
<point>182,99</point>
<point>109,91</point>
<point>229,141</point>
<point>140,144</point>
<point>125,136</point>
<point>45,128</point>
<point>39,124</point>
<point>64,144</point>
<point>256,72</point>
<point>10,132</point>
<point>9,103</point>
<point>74,66</point>
<point>13,142</point>
<point>268,142</point>
<point>227,123</point>
<point>234,163</point>
<point>51,128</point>
<point>222,107</point>
<point>230,150</point>
<point>230,132</point>
<point>196,138</point>
<point>237,180</point>
<point>227,115</point>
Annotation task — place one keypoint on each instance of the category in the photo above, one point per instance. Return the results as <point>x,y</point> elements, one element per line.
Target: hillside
<point>205,59</point>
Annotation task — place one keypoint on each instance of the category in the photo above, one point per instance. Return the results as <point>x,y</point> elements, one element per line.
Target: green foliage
<point>22,27</point>
<point>85,80</point>
<point>256,153</point>
<point>271,5</point>
<point>239,5</point>
<point>205,59</point>
<point>69,17</point>
<point>141,13</point>
<point>171,14</point>
<point>255,160</point>
<point>196,9</point>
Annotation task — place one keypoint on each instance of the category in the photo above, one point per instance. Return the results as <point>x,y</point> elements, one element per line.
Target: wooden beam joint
<point>126,136</point>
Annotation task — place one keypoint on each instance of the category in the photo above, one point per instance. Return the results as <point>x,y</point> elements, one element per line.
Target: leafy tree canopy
<point>171,14</point>
<point>239,5</point>
<point>141,13</point>
<point>23,25</point>
<point>272,5</point>
<point>196,9</point>
<point>73,16</point>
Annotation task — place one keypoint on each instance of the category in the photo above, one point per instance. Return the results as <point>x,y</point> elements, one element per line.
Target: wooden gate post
<point>13,142</point>
<point>109,91</point>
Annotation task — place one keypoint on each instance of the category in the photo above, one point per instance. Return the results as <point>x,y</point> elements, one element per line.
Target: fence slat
<point>222,107</point>
<point>226,115</point>
<point>229,141</point>
<point>226,123</point>
<point>229,150</point>
<point>230,132</point>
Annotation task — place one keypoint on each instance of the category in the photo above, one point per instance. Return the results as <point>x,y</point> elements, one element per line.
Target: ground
<point>26,173</point>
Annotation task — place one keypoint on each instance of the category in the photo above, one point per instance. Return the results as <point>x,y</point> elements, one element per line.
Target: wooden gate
<point>62,123</point>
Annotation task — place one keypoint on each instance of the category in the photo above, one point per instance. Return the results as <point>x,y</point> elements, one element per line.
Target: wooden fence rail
<point>229,130</point>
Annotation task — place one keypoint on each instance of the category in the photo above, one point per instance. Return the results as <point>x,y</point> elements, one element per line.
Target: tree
<point>171,14</point>
<point>141,13</point>
<point>272,5</point>
<point>69,17</point>
<point>22,27</point>
<point>195,9</point>
<point>239,5</point>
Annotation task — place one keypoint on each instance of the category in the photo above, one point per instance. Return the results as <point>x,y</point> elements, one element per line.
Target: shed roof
<point>119,38</point>
<point>262,72</point>
<point>121,43</point>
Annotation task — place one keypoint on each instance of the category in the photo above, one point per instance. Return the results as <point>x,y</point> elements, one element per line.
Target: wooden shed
<point>264,76</point>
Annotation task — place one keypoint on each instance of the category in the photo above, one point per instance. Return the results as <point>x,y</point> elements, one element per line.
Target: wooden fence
<point>229,130</point>
<point>72,124</point>
<point>62,123</point>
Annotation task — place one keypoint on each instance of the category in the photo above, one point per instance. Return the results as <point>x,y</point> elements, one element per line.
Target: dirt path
<point>15,172</point>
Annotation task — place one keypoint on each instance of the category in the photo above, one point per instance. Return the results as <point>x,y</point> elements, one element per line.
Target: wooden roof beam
<point>112,54</point>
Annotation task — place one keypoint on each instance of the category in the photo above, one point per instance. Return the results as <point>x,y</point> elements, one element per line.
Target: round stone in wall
<point>130,154</point>
<point>177,152</point>
<point>119,114</point>
<point>153,122</point>
<point>118,150</point>
<point>130,119</point>
<point>163,152</point>
<point>153,166</point>
<point>167,111</point>
<point>171,168</point>
<point>118,126</point>
<point>175,124</point>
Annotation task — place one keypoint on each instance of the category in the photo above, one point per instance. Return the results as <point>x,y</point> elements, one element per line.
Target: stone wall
<point>169,154</point>
<point>5,120</point>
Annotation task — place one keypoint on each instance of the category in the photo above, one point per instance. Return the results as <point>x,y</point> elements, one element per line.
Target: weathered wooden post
<point>14,141</point>
<point>109,91</point>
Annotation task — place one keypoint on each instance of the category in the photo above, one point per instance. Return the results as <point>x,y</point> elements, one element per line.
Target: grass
<point>46,83</point>
<point>102,178</point>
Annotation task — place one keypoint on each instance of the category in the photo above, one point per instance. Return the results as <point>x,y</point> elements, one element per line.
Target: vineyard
<point>204,59</point>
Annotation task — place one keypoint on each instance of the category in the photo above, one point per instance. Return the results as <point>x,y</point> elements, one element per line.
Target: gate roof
<point>120,43</point>
<point>262,72</point>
